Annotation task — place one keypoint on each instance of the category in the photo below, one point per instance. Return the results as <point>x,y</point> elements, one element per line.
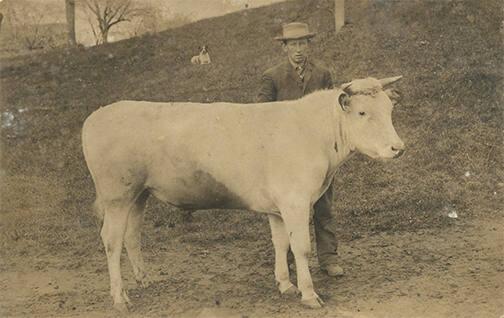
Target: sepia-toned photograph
<point>252,158</point>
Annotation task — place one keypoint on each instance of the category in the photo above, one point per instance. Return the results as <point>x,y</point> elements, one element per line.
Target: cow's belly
<point>196,190</point>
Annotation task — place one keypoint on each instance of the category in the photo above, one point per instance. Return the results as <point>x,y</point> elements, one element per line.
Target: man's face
<point>297,50</point>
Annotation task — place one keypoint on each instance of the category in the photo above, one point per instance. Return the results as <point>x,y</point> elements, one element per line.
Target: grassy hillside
<point>450,116</point>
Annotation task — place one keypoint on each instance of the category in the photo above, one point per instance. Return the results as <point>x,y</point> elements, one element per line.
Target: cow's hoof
<point>125,297</point>
<point>313,303</point>
<point>291,291</point>
<point>144,282</point>
<point>121,308</point>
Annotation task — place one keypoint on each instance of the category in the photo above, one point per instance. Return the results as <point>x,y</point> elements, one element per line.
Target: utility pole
<point>339,14</point>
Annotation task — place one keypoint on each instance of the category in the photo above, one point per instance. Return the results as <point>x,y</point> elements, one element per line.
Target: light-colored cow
<point>275,158</point>
<point>203,57</point>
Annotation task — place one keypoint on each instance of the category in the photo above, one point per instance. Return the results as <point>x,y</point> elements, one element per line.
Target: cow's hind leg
<point>132,239</point>
<point>281,244</point>
<point>296,218</point>
<point>112,233</point>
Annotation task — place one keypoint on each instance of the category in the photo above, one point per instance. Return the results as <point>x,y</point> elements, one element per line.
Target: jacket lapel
<point>291,73</point>
<point>307,76</point>
<point>293,81</point>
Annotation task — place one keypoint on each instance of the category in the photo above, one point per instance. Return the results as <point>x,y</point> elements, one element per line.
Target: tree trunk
<point>104,34</point>
<point>1,19</point>
<point>70,16</point>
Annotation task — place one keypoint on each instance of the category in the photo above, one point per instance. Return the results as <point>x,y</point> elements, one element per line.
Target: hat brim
<point>304,36</point>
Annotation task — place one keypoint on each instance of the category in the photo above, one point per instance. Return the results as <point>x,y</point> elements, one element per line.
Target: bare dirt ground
<point>457,271</point>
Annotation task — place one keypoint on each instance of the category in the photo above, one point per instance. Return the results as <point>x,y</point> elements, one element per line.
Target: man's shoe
<point>333,270</point>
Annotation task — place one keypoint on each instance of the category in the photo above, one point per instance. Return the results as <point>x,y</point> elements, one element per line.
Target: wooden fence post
<point>339,14</point>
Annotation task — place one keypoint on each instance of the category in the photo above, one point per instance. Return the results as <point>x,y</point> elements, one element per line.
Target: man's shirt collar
<point>299,66</point>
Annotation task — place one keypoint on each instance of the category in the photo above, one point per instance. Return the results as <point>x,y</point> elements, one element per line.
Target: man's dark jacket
<point>282,82</point>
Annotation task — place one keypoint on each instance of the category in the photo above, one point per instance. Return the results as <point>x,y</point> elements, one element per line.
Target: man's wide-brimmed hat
<point>295,31</point>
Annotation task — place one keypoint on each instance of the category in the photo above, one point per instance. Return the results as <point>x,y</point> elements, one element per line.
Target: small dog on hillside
<point>203,57</point>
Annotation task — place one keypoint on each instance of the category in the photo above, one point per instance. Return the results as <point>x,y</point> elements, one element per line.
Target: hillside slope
<point>450,117</point>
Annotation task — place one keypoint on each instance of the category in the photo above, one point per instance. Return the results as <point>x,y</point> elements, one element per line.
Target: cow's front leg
<point>296,218</point>
<point>281,244</point>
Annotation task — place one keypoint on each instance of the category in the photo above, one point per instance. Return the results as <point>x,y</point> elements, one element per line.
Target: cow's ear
<point>394,95</point>
<point>344,101</point>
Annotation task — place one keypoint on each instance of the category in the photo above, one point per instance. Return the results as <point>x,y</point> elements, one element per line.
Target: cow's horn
<point>389,80</point>
<point>345,86</point>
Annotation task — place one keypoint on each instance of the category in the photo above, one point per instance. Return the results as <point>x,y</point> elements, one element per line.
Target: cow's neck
<point>342,150</point>
<point>341,142</point>
<point>327,116</point>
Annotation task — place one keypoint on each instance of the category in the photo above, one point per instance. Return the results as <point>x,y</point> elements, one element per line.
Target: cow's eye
<point>362,113</point>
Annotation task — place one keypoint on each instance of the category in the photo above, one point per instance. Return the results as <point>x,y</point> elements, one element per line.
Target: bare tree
<point>107,13</point>
<point>70,16</point>
<point>25,25</point>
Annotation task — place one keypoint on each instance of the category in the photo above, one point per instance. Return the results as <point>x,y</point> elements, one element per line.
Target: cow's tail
<point>98,209</point>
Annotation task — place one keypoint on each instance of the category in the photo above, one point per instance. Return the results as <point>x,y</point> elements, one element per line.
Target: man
<point>292,79</point>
